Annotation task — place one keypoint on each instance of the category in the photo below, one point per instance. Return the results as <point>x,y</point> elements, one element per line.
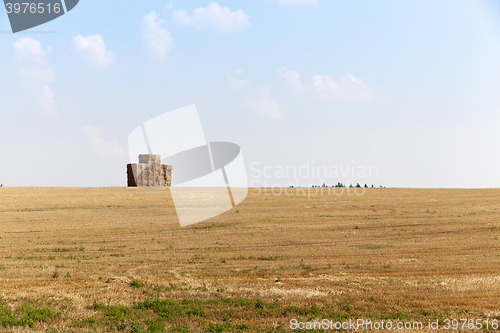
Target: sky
<point>392,93</point>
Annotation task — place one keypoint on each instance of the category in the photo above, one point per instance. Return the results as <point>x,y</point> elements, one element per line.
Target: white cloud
<point>293,77</point>
<point>262,104</point>
<point>34,74</point>
<point>169,6</point>
<point>27,46</point>
<point>236,82</point>
<point>326,87</point>
<point>45,99</point>
<point>214,17</point>
<point>94,50</point>
<point>155,37</point>
<point>308,2</point>
<point>349,88</point>
<point>99,145</point>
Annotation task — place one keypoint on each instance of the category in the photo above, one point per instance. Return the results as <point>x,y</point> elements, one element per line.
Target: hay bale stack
<point>149,172</point>
<point>167,172</point>
<point>150,159</point>
<point>131,171</point>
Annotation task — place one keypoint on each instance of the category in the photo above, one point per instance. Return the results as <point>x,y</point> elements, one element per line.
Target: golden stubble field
<point>389,253</point>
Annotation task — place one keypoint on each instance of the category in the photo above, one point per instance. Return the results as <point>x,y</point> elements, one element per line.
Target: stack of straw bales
<point>149,172</point>
<point>167,171</point>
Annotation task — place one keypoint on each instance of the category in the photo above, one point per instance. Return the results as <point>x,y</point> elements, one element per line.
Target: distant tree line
<point>339,184</point>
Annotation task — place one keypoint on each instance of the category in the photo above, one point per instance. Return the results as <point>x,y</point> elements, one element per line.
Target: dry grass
<point>421,253</point>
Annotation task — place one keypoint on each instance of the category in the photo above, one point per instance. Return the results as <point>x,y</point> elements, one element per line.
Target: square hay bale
<point>131,169</point>
<point>149,172</point>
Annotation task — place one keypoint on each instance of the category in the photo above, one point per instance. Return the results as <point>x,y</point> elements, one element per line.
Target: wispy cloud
<point>169,6</point>
<point>262,103</point>
<point>325,87</point>
<point>214,17</point>
<point>34,73</point>
<point>236,82</point>
<point>156,39</point>
<point>94,50</point>
<point>99,145</point>
<point>293,78</point>
<point>307,2</point>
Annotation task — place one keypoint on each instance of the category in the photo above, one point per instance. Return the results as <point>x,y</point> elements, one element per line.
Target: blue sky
<point>411,88</point>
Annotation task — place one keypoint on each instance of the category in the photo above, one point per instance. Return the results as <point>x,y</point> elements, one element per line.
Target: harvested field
<point>115,259</point>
